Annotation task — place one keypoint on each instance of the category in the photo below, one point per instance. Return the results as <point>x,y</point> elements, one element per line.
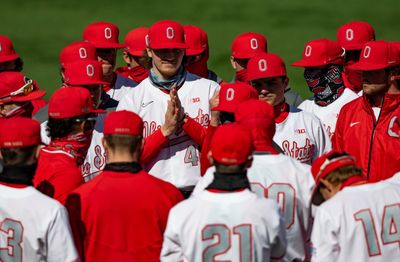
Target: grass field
<point>40,29</point>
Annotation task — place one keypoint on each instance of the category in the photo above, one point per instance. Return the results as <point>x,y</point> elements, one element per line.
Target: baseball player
<point>104,36</point>
<point>355,221</point>
<point>70,127</point>
<point>246,46</point>
<point>300,134</point>
<point>362,125</point>
<point>351,37</point>
<point>17,93</point>
<point>135,48</point>
<point>197,53</point>
<point>323,71</point>
<point>226,221</point>
<point>275,176</point>
<point>11,61</point>
<point>121,214</point>
<point>33,227</point>
<point>178,161</point>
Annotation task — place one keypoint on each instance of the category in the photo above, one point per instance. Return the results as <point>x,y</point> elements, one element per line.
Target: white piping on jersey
<point>58,152</point>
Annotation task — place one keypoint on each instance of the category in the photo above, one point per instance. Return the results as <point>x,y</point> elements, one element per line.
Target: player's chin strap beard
<point>21,174</point>
<point>230,181</point>
<point>167,84</point>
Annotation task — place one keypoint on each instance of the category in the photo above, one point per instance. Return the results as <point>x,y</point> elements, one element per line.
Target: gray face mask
<point>177,80</point>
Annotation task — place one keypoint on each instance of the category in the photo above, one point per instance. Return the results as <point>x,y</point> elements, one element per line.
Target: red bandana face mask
<point>241,76</point>
<point>137,74</point>
<point>199,67</point>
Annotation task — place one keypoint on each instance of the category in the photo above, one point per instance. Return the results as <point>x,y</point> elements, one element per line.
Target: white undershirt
<point>377,111</point>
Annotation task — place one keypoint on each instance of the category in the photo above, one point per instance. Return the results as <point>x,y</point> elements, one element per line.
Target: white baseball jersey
<point>121,86</point>
<point>395,179</point>
<point>360,223</point>
<point>290,184</point>
<point>329,114</point>
<point>33,227</point>
<point>96,156</point>
<point>236,226</point>
<point>302,136</point>
<point>178,162</point>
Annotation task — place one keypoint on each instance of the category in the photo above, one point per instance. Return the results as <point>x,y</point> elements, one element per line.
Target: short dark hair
<point>17,156</point>
<point>59,128</point>
<point>126,143</point>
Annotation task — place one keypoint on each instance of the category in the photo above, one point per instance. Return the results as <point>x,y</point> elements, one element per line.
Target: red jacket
<point>366,138</point>
<point>57,174</point>
<point>121,216</point>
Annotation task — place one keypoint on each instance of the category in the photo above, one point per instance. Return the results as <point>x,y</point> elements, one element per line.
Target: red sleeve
<point>204,162</point>
<point>74,207</point>
<point>153,145</point>
<point>338,135</point>
<point>196,131</point>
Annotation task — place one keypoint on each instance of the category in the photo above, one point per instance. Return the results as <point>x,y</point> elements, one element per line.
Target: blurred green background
<point>40,29</point>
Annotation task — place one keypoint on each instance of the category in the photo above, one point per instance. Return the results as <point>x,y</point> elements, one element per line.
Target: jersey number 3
<point>13,230</point>
<point>223,235</point>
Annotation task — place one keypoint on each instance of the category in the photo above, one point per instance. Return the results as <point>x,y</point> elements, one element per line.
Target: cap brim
<point>7,58</point>
<point>135,52</point>
<point>168,45</point>
<point>190,52</point>
<point>303,63</point>
<point>364,66</point>
<point>79,83</point>
<point>249,78</point>
<point>106,45</point>
<point>231,108</point>
<point>244,56</point>
<point>31,96</point>
<point>352,47</point>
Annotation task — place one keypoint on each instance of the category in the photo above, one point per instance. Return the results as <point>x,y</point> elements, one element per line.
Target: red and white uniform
<point>57,174</point>
<point>121,216</point>
<point>290,184</point>
<point>178,162</point>
<point>33,227</point>
<point>329,114</point>
<point>237,226</point>
<point>360,223</point>
<point>301,135</point>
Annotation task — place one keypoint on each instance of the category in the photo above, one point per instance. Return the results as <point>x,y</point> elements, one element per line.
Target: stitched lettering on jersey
<point>150,128</point>
<point>301,153</point>
<point>202,119</point>
<point>100,159</point>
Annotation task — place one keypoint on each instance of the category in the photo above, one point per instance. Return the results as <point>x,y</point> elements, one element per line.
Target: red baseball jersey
<point>121,216</point>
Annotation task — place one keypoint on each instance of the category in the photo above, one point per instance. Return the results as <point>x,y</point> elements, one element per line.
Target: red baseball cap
<point>231,145</point>
<point>248,45</point>
<point>232,94</point>
<point>376,55</point>
<point>102,35</point>
<point>7,52</point>
<point>123,123</point>
<point>16,87</point>
<point>324,165</point>
<point>196,40</point>
<point>353,35</point>
<point>135,41</point>
<point>72,101</point>
<point>84,72</point>
<point>166,34</point>
<point>76,52</point>
<point>265,65</point>
<point>19,132</point>
<point>321,52</point>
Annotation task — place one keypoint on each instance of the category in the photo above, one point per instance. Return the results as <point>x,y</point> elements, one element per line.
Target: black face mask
<point>21,174</point>
<point>230,182</point>
<point>227,117</point>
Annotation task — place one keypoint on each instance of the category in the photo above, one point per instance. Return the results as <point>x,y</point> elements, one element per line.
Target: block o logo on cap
<point>82,52</point>
<point>90,70</point>
<point>349,34</point>
<point>308,50</point>
<point>107,33</point>
<point>253,43</point>
<point>230,94</point>
<point>170,33</point>
<point>367,51</point>
<point>262,65</point>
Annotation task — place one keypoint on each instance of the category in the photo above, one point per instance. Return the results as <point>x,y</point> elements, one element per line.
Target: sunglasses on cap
<point>24,90</point>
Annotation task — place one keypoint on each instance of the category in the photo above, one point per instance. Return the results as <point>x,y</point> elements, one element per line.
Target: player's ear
<point>127,58</point>
<point>210,158</point>
<point>249,162</point>
<point>142,144</point>
<point>233,63</point>
<point>286,82</point>
<point>37,151</point>
<point>104,143</point>
<point>149,53</point>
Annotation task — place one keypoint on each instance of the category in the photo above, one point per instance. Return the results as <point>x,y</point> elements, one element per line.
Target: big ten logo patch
<point>202,119</point>
<point>300,131</point>
<point>195,99</point>
<point>301,153</point>
<point>149,128</point>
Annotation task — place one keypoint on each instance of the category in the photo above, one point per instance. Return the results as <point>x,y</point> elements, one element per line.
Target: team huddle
<point>162,160</point>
